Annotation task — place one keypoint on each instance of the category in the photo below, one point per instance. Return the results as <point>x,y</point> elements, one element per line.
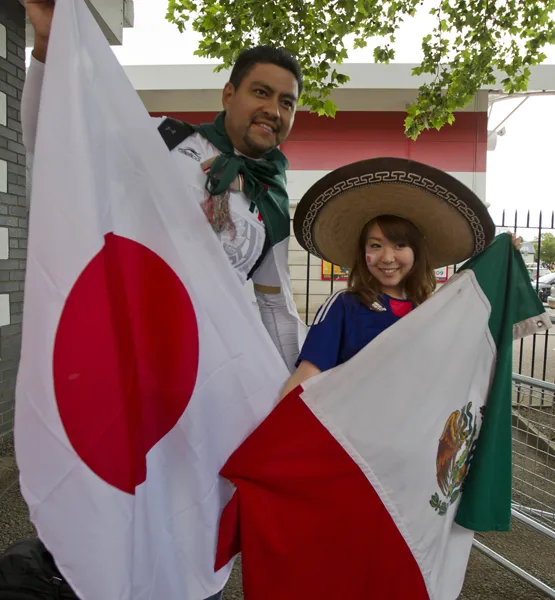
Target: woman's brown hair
<point>419,283</point>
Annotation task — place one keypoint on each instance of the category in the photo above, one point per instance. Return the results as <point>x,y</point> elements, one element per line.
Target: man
<point>235,164</point>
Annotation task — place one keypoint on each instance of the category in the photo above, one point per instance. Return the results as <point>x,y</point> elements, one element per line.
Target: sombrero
<point>331,215</point>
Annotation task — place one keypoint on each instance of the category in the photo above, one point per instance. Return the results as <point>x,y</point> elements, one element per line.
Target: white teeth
<point>266,127</point>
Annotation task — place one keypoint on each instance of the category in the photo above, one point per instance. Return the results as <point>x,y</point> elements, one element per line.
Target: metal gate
<point>533,502</point>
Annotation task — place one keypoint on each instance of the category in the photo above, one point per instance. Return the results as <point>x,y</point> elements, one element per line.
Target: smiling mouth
<point>265,127</point>
<point>389,271</point>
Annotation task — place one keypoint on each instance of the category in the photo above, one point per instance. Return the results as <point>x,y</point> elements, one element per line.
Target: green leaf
<point>466,44</point>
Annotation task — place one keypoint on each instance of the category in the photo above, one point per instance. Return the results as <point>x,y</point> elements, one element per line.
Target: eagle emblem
<point>456,446</point>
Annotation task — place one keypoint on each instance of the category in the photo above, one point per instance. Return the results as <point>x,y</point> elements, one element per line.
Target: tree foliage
<point>471,40</point>
<point>547,250</point>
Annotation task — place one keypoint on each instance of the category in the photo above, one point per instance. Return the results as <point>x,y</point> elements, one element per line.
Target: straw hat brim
<point>331,215</point>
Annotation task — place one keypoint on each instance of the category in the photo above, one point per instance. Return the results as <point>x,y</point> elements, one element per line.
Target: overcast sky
<point>521,170</point>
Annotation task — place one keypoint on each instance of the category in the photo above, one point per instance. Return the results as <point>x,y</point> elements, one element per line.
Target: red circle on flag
<point>125,359</point>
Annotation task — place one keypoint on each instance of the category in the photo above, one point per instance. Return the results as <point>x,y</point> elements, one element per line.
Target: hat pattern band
<point>405,178</point>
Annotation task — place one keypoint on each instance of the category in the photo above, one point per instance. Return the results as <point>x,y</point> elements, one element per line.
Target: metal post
<point>539,585</point>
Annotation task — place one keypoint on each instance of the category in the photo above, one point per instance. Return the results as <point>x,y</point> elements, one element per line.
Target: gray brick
<point>9,264</point>
<point>14,103</point>
<point>6,406</point>
<point>18,233</point>
<point>12,47</point>
<point>16,61</point>
<point>9,286</point>
<point>8,133</point>
<point>23,223</point>
<point>17,169</point>
<point>15,147</point>
<point>22,159</point>
<point>13,122</point>
<point>12,351</point>
<point>9,222</point>
<point>15,81</point>
<point>3,209</point>
<point>16,318</point>
<point>16,307</point>
<point>21,286</point>
<point>3,76</point>
<point>16,297</point>
<point>18,190</point>
<point>9,90</point>
<point>8,374</point>
<point>12,178</point>
<point>21,52</point>
<point>5,428</point>
<point>15,38</point>
<point>17,275</point>
<point>8,67</point>
<point>8,155</point>
<point>8,330</point>
<point>8,198</point>
<point>18,211</point>
<point>23,242</point>
<point>5,275</point>
<point>7,393</point>
<point>13,243</point>
<point>13,341</point>
<point>8,416</point>
<point>22,201</point>
<point>13,114</point>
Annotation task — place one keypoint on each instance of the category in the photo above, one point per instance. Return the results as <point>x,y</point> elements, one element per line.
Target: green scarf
<point>264,179</point>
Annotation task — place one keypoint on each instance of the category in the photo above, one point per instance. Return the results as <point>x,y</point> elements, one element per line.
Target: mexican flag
<point>144,363</point>
<point>370,479</point>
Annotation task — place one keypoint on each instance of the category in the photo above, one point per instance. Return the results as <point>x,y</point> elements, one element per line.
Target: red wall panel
<point>320,143</point>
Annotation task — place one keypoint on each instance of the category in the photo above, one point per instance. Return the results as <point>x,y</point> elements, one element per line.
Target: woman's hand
<point>304,371</point>
<point>517,241</point>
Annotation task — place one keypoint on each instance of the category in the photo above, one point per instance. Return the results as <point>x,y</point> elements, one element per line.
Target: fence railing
<point>533,501</point>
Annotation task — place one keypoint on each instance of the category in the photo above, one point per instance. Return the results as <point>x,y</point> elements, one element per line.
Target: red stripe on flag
<point>311,524</point>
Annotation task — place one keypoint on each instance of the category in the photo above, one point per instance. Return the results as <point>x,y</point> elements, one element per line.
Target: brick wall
<point>13,203</point>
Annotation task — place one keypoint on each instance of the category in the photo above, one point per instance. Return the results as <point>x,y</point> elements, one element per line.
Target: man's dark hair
<point>265,55</point>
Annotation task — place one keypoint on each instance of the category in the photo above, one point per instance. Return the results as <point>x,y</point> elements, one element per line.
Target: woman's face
<point>387,261</point>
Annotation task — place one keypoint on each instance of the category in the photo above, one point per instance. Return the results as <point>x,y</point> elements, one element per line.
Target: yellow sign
<point>339,273</point>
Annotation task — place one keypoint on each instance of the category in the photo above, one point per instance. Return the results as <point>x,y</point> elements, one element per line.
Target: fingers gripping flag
<point>143,363</point>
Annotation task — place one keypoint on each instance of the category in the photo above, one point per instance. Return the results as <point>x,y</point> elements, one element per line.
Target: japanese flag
<point>144,364</point>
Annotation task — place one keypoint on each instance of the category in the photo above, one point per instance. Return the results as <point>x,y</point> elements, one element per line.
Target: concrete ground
<point>485,579</point>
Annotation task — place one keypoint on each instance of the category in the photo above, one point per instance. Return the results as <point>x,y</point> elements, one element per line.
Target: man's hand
<point>40,14</point>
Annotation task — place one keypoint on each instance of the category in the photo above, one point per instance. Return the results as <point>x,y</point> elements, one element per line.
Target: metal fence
<point>533,502</point>
<point>533,356</point>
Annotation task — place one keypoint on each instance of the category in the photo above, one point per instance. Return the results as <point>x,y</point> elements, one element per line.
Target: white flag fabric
<point>144,364</point>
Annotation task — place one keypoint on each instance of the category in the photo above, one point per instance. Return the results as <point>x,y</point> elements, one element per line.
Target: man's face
<point>260,112</point>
